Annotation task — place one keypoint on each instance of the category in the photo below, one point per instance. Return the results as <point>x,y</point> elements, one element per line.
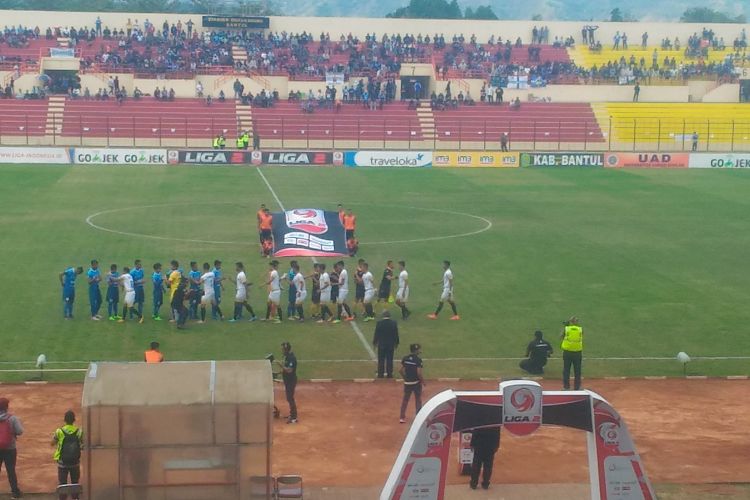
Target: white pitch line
<point>354,324</point>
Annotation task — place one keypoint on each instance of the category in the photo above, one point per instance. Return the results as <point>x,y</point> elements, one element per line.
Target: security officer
<point>572,348</point>
<point>289,374</point>
<point>537,353</point>
<point>411,371</point>
<point>216,141</point>
<point>239,143</point>
<point>386,341</point>
<point>222,142</point>
<point>245,140</point>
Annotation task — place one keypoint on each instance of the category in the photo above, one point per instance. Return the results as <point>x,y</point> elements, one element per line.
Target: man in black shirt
<point>289,375</point>
<point>537,353</point>
<point>178,303</point>
<point>411,371</point>
<point>359,289</point>
<point>386,341</point>
<point>384,290</point>
<point>485,443</point>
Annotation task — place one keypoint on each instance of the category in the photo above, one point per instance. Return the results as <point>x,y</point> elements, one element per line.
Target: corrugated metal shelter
<point>181,430</point>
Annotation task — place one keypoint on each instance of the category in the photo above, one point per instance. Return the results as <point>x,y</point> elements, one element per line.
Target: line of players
<point>201,289</point>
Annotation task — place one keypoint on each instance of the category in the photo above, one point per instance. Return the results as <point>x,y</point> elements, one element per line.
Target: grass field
<point>652,261</point>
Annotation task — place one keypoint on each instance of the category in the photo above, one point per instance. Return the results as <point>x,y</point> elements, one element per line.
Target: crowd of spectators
<point>176,48</point>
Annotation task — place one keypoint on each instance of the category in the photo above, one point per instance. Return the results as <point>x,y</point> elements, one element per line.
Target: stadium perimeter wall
<point>359,26</point>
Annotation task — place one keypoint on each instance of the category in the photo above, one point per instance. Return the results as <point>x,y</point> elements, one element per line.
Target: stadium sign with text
<point>34,155</point>
<point>719,160</point>
<point>562,159</point>
<point>119,156</point>
<point>236,22</point>
<point>647,160</point>
<point>474,159</point>
<point>407,159</point>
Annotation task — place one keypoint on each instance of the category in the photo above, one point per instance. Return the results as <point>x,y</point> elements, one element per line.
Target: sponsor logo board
<point>522,407</point>
<point>34,155</point>
<point>213,157</point>
<point>474,159</point>
<point>719,160</point>
<point>647,160</point>
<point>297,158</point>
<point>408,159</point>
<point>556,159</point>
<point>119,156</point>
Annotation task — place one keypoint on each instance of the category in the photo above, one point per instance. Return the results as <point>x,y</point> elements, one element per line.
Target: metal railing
<point>373,130</point>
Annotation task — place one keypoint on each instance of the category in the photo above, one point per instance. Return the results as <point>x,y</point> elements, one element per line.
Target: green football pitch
<point>653,262</point>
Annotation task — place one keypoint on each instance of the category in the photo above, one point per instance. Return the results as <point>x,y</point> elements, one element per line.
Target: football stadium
<point>431,255</point>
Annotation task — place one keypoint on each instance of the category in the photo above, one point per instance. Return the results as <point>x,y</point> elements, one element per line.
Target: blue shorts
<point>140,297</point>
<point>113,295</point>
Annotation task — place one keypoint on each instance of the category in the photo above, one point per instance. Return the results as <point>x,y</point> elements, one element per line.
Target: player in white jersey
<point>341,304</point>
<point>402,294</point>
<point>369,283</point>
<point>240,298</point>
<point>447,295</point>
<point>274,293</point>
<point>208,279</point>
<point>301,291</point>
<point>325,295</point>
<point>126,281</point>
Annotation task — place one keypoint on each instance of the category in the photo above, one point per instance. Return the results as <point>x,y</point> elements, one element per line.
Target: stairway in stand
<point>244,117</point>
<point>239,54</point>
<point>426,120</point>
<point>55,110</point>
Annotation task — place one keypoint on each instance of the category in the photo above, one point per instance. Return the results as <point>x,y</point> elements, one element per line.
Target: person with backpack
<point>10,429</point>
<point>68,442</point>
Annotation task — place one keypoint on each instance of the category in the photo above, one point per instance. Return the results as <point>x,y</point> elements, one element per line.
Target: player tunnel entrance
<point>519,407</point>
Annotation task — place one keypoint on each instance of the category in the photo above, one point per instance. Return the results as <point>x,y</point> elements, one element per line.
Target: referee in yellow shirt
<point>173,282</point>
<point>572,348</point>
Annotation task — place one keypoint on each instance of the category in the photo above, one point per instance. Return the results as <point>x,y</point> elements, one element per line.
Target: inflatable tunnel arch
<point>519,407</point>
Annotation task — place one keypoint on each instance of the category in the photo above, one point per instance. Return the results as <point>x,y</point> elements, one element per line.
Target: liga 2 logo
<point>309,220</point>
<point>522,407</point>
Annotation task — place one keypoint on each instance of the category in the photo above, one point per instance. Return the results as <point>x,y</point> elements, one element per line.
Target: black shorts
<point>384,292</point>
<point>265,235</point>
<point>359,293</point>
<point>334,294</point>
<point>316,297</point>
<point>349,234</point>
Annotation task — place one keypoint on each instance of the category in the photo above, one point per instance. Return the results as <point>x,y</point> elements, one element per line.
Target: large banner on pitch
<point>308,232</point>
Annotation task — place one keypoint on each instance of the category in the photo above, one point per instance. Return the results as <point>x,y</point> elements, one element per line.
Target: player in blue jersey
<point>94,277</point>
<point>158,280</point>
<point>291,307</point>
<point>113,292</point>
<point>195,288</point>
<point>68,283</point>
<point>138,275</point>
<point>218,287</point>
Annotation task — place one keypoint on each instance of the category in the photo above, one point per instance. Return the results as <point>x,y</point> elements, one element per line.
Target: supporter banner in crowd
<point>119,156</point>
<point>719,160</point>
<point>58,52</point>
<point>210,157</point>
<point>297,158</point>
<point>556,159</point>
<point>34,155</point>
<point>388,158</point>
<point>474,159</point>
<point>308,232</point>
<point>661,160</point>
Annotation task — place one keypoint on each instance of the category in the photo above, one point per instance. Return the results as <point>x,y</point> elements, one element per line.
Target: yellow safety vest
<point>216,142</point>
<point>240,142</point>
<point>573,339</point>
<point>222,141</point>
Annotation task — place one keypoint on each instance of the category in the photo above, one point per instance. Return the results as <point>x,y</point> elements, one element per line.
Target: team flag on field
<point>308,232</point>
